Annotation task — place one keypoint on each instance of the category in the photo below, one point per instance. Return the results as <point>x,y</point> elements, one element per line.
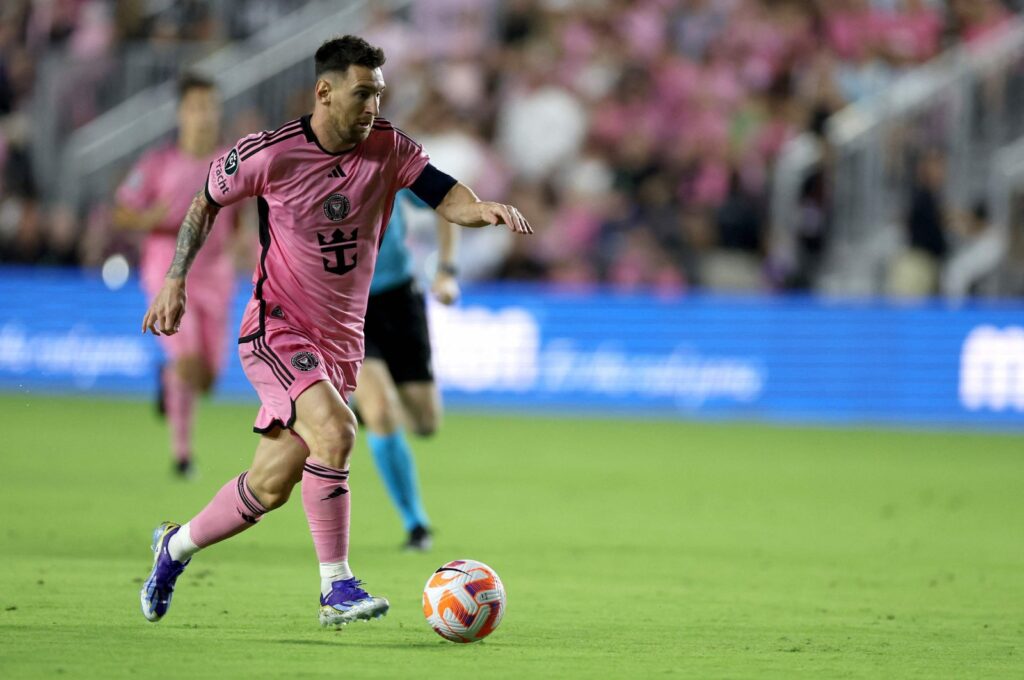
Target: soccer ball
<point>464,601</point>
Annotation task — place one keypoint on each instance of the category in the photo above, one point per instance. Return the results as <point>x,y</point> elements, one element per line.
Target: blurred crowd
<point>638,135</point>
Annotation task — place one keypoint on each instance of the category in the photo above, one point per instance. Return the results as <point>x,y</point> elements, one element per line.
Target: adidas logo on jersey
<point>337,172</point>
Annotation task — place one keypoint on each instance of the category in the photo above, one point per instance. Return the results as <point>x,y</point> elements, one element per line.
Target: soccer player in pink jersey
<point>325,185</point>
<point>153,198</point>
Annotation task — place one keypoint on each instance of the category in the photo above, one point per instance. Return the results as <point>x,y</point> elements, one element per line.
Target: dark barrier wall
<point>535,349</point>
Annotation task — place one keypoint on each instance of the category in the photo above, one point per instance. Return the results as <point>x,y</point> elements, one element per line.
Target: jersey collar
<point>307,129</point>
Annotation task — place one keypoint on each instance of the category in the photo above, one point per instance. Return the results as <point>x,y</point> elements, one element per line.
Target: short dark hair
<point>338,54</point>
<point>193,81</point>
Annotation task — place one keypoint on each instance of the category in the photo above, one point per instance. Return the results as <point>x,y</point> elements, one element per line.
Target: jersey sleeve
<point>238,174</point>
<point>137,190</point>
<point>412,158</point>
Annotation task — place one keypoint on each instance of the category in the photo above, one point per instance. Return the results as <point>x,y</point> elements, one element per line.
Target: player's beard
<point>361,133</point>
<point>353,134</point>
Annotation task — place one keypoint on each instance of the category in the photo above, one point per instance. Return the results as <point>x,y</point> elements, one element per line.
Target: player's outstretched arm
<point>461,206</point>
<point>164,314</point>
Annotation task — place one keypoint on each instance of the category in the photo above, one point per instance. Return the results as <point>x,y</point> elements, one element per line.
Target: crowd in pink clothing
<point>66,59</point>
<point>640,135</point>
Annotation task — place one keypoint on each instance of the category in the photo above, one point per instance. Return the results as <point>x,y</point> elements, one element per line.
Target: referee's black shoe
<point>419,540</point>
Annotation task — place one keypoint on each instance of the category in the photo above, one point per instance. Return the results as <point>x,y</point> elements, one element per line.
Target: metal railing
<point>966,104</point>
<point>69,90</point>
<point>264,74</point>
<point>976,265</point>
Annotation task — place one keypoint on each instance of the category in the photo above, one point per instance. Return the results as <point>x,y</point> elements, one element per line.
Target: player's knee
<point>195,373</point>
<point>334,442</point>
<point>383,414</point>
<point>426,421</point>
<point>425,428</point>
<point>206,380</point>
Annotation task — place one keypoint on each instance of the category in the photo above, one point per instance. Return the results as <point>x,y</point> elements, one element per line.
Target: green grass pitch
<point>629,549</point>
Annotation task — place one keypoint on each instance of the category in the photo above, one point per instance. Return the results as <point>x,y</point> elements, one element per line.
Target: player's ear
<point>323,91</point>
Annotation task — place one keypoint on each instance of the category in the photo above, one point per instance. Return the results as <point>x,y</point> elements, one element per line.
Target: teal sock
<point>397,468</point>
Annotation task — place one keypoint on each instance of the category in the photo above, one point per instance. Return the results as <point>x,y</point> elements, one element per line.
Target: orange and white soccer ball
<point>464,601</point>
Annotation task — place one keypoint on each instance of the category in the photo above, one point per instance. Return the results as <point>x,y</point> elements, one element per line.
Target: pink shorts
<point>281,362</point>
<point>203,330</point>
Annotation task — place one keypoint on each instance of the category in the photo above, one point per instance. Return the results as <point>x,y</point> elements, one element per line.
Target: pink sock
<point>233,510</point>
<point>179,399</point>
<point>325,498</point>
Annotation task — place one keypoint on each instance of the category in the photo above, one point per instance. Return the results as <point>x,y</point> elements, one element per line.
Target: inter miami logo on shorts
<point>339,251</point>
<point>305,361</point>
<point>231,163</point>
<point>336,207</point>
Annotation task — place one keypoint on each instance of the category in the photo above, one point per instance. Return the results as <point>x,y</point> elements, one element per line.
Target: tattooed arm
<point>165,312</point>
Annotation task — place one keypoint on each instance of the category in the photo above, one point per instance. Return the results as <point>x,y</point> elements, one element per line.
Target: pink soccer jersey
<point>169,177</point>
<point>322,217</point>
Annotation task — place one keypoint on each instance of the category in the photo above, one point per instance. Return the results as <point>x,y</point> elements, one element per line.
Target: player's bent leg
<point>390,448</point>
<point>422,401</point>
<point>328,428</point>
<point>326,424</point>
<point>179,393</point>
<point>236,507</point>
<point>196,372</point>
<point>377,397</point>
<point>277,467</point>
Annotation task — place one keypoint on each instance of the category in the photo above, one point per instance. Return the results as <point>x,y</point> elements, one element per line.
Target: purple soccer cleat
<point>348,602</point>
<point>157,591</point>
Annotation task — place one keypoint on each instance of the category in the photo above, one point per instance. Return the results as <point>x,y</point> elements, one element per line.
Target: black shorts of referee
<point>396,332</point>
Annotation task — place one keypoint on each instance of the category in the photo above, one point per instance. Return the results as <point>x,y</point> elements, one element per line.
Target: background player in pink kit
<point>325,184</point>
<point>153,198</point>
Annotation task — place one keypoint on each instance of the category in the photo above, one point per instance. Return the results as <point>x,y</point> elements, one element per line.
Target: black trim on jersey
<point>432,185</point>
<point>385,125</point>
<point>264,214</point>
<point>255,150</point>
<point>265,136</point>
<point>307,128</point>
<point>206,190</point>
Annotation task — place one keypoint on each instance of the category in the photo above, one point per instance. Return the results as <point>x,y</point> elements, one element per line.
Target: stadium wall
<point>537,349</point>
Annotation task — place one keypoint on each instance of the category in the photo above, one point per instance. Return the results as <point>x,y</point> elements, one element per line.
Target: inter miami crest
<point>336,207</point>
<point>339,251</point>
<point>231,163</point>
<point>305,361</point>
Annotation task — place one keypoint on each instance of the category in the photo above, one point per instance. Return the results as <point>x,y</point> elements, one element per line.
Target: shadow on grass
<point>382,644</point>
<point>339,640</point>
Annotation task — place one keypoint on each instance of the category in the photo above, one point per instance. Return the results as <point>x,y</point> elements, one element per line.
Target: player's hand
<point>164,314</point>
<point>499,213</point>
<point>445,288</point>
